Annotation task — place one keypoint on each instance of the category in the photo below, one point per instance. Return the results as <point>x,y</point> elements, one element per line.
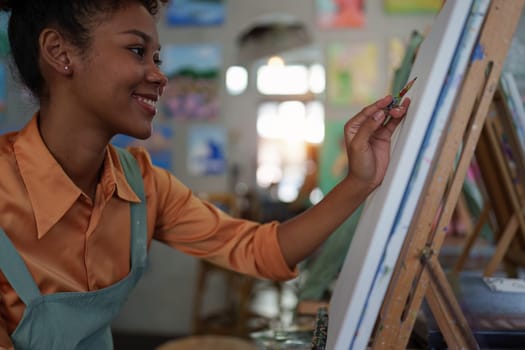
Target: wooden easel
<point>503,188</point>
<point>418,272</point>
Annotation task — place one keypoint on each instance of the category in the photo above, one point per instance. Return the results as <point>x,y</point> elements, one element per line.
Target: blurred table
<point>497,319</point>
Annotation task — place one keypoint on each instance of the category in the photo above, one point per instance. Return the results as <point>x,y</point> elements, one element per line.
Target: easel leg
<point>502,246</point>
<point>447,311</point>
<point>472,238</point>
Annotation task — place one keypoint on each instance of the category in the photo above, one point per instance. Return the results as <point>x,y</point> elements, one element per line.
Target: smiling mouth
<point>149,104</point>
<point>149,101</point>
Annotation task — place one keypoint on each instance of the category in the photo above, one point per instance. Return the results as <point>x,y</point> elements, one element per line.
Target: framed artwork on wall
<point>353,73</point>
<point>207,150</point>
<point>340,13</point>
<point>193,81</point>
<point>159,144</point>
<point>412,6</point>
<point>195,13</point>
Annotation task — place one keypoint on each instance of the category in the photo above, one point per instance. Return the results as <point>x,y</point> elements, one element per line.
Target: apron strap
<point>138,210</point>
<point>16,272</point>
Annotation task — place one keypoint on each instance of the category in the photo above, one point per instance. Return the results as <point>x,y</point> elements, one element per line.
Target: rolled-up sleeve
<point>196,227</point>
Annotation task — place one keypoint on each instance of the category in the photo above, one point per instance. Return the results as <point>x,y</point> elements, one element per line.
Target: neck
<point>78,149</point>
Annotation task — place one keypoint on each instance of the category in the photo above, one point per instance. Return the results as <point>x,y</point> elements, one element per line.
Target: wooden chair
<point>235,318</point>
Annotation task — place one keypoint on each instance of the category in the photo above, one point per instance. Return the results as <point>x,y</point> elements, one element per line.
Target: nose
<point>156,76</point>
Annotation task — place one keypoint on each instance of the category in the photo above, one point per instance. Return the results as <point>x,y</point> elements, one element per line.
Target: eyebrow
<point>147,38</point>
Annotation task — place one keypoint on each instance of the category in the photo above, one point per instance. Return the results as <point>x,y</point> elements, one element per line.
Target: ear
<point>55,51</point>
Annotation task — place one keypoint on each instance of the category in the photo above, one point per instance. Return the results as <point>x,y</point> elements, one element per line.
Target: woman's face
<point>117,83</point>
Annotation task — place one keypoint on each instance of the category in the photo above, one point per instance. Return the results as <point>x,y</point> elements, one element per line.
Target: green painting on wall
<point>353,73</point>
<point>332,156</point>
<point>413,6</point>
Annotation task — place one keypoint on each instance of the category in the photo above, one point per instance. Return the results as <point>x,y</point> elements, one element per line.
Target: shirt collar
<point>50,190</point>
<point>116,175</point>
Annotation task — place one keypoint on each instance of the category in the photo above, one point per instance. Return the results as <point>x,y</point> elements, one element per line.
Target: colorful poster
<point>159,145</point>
<point>353,73</point>
<point>195,12</point>
<point>340,13</point>
<point>413,6</point>
<point>207,150</point>
<point>193,86</point>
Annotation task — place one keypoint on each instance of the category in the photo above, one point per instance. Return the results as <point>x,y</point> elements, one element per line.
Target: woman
<point>78,214</point>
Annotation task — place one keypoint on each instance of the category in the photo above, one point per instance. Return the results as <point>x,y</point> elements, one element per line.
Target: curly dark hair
<point>29,17</point>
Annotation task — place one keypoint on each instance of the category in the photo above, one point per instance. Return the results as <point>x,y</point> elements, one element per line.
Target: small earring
<point>66,67</point>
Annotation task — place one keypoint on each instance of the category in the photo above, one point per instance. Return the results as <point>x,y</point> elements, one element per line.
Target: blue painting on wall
<point>159,145</point>
<point>207,150</point>
<point>195,13</point>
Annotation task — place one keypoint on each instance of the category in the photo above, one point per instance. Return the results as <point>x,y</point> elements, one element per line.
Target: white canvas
<point>352,311</point>
<point>424,163</point>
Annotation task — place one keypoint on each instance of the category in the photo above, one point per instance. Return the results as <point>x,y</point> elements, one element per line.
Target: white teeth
<point>147,100</point>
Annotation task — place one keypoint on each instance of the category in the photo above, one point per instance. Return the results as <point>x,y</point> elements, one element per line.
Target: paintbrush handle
<point>394,103</point>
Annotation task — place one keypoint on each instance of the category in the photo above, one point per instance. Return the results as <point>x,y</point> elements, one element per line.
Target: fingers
<point>396,113</point>
<point>390,127</point>
<point>369,110</point>
<point>378,112</point>
<point>375,118</point>
<point>381,104</point>
<point>400,110</point>
<point>367,129</point>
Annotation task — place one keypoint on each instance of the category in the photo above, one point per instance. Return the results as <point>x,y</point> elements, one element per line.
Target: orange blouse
<point>71,243</point>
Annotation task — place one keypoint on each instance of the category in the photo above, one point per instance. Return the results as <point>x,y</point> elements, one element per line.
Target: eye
<point>138,50</point>
<point>157,60</point>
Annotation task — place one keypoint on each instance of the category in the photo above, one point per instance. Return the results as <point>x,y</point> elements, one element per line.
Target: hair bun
<point>6,5</point>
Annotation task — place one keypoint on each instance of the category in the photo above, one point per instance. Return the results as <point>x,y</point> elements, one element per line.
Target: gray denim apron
<point>76,320</point>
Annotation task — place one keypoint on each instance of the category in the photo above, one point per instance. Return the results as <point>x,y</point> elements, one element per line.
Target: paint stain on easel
<point>479,53</point>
